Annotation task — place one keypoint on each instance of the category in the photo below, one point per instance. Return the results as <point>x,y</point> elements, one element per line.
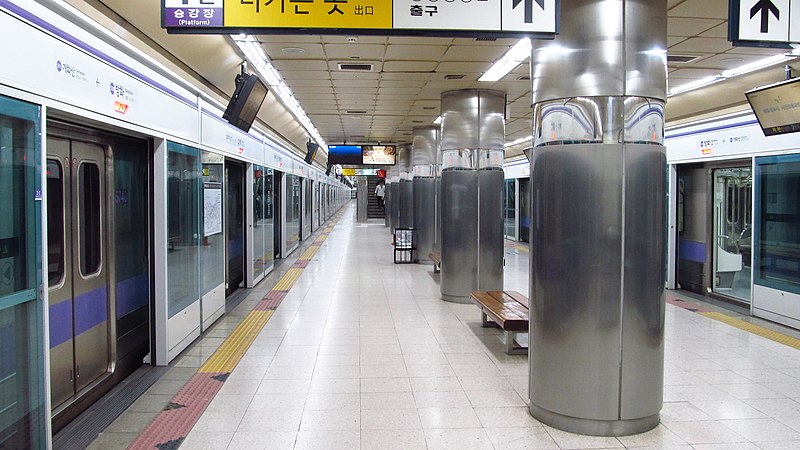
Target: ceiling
<point>403,88</point>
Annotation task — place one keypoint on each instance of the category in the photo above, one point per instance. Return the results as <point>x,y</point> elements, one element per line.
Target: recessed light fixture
<point>293,51</point>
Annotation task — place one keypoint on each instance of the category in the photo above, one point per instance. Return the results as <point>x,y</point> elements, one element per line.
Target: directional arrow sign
<point>532,15</point>
<point>529,8</point>
<point>765,7</point>
<point>762,22</point>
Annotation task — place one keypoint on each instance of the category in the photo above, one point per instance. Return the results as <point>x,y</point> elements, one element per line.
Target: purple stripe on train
<point>132,294</point>
<point>60,323</point>
<point>91,309</point>
<point>692,251</point>
<point>8,350</point>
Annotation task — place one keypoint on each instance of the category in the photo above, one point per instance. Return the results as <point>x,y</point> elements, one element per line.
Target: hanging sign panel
<point>764,23</point>
<point>537,18</point>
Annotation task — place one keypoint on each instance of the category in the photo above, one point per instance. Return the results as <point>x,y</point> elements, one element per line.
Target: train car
<point>735,215</point>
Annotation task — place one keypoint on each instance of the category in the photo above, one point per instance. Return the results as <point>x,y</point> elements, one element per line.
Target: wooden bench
<point>509,310</point>
<point>436,257</point>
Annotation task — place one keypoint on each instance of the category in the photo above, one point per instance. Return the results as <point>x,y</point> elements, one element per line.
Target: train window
<point>90,218</point>
<point>55,222</point>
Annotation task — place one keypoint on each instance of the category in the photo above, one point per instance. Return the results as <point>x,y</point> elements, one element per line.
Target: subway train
<point>734,214</point>
<point>130,212</point>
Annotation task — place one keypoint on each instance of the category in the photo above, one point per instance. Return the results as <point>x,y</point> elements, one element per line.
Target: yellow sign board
<point>374,14</point>
<point>349,172</point>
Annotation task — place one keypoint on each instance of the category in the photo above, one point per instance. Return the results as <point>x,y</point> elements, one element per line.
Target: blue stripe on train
<point>692,251</point>
<point>60,323</point>
<point>8,350</point>
<point>91,309</point>
<point>132,294</point>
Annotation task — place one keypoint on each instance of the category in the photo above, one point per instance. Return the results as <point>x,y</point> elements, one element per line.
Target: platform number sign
<point>764,23</point>
<point>498,18</point>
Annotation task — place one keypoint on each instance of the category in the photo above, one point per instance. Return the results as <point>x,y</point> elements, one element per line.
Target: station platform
<point>345,349</point>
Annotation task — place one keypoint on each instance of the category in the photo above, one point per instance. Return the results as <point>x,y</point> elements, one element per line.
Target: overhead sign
<point>537,18</point>
<point>764,23</point>
<point>362,172</point>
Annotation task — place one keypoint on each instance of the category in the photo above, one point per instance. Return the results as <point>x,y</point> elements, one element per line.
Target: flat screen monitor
<point>379,154</point>
<point>344,154</point>
<point>246,101</point>
<point>777,107</point>
<point>311,151</point>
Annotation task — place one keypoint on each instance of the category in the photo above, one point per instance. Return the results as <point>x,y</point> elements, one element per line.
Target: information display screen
<point>777,107</point>
<point>344,154</point>
<point>379,154</point>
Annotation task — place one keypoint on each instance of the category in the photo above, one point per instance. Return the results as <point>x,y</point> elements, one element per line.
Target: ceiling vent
<point>454,77</point>
<point>524,77</point>
<point>681,59</point>
<point>486,39</point>
<point>355,67</point>
<point>355,111</point>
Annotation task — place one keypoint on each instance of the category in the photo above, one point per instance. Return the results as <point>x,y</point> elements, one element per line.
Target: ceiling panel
<point>702,45</point>
<point>355,51</point>
<point>713,9</point>
<point>300,64</point>
<point>415,52</point>
<point>686,26</point>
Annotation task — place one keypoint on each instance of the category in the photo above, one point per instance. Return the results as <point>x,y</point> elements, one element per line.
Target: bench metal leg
<point>512,347</point>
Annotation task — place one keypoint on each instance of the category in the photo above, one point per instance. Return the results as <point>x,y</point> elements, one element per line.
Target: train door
<point>732,232</point>
<point>234,224</point>
<point>78,177</point>
<point>277,201</point>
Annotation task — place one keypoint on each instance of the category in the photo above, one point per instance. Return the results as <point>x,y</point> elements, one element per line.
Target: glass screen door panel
<point>732,232</point>
<point>22,403</point>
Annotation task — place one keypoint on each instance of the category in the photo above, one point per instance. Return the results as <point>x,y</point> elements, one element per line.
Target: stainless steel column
<point>598,238</point>
<point>406,187</point>
<point>362,196</point>
<point>425,145</point>
<point>473,134</point>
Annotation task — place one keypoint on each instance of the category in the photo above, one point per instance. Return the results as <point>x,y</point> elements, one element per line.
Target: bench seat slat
<point>507,308</point>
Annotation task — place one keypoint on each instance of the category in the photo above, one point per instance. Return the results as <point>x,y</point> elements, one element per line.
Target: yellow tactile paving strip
<point>288,279</point>
<point>233,349</point>
<point>755,329</point>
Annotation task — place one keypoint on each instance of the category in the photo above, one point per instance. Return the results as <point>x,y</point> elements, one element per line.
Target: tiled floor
<point>363,353</point>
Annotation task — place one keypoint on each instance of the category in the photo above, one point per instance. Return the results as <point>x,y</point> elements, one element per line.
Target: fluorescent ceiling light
<point>697,84</point>
<point>515,56</point>
<point>741,70</point>
<point>757,65</point>
<point>437,120</point>
<point>519,141</point>
<point>259,60</point>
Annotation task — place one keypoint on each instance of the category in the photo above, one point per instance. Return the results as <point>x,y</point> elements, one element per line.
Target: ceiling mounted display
<point>478,18</point>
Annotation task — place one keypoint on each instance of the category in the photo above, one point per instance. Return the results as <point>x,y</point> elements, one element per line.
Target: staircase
<point>374,208</point>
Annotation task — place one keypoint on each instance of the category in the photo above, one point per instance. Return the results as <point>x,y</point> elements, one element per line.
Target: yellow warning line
<point>308,254</point>
<point>233,349</point>
<point>288,279</point>
<point>755,329</point>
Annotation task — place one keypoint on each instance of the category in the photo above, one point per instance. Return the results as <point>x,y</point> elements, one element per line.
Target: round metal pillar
<point>425,144</point>
<point>598,180</point>
<point>472,136</point>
